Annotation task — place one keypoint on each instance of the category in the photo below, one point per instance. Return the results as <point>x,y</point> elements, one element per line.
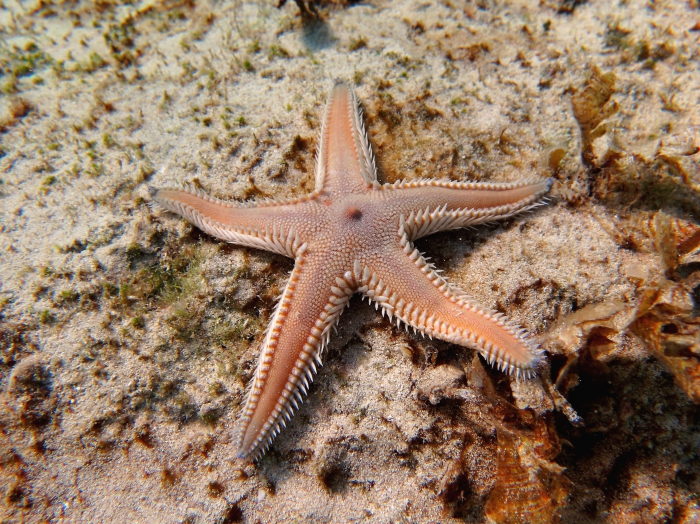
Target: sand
<point>128,336</point>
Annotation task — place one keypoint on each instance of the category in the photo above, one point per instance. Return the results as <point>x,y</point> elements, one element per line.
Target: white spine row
<point>321,149</point>
<point>302,375</point>
<point>450,184</point>
<point>426,222</point>
<point>364,149</point>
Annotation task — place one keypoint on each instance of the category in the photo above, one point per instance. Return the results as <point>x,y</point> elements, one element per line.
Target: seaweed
<point>592,106</point>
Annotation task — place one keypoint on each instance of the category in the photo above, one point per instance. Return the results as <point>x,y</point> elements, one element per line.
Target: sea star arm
<point>312,301</point>
<point>344,163</point>
<point>265,225</point>
<point>431,206</point>
<point>407,287</point>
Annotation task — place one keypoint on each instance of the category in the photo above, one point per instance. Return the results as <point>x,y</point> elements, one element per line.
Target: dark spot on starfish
<point>354,213</point>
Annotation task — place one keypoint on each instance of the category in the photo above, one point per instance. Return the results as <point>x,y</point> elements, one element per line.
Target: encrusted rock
<point>439,383</point>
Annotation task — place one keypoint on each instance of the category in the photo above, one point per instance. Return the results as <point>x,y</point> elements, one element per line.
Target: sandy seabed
<point>128,336</point>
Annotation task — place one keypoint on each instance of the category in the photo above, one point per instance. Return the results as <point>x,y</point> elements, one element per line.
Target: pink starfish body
<point>355,235</point>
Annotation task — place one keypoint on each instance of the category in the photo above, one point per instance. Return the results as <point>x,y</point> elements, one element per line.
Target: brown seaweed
<point>592,105</point>
<point>666,321</point>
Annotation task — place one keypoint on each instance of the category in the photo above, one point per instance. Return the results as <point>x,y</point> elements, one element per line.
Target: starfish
<point>355,235</point>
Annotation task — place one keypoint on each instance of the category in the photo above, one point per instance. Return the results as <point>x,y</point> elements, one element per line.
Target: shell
<point>528,487</point>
